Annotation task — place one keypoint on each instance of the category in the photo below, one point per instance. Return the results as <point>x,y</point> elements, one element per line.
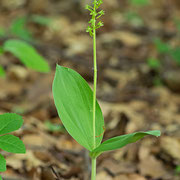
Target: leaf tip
<point>156,133</point>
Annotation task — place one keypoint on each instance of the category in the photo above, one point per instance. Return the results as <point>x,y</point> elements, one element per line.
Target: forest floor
<point>133,96</point>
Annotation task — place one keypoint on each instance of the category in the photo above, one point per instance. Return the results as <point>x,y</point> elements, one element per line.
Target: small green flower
<point>95,15</point>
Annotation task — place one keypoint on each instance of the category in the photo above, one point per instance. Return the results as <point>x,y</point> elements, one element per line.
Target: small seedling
<point>10,122</point>
<point>26,54</point>
<point>18,28</point>
<point>154,63</point>
<point>164,48</point>
<point>78,108</point>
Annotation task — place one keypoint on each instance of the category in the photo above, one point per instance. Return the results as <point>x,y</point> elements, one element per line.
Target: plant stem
<point>95,82</point>
<point>93,170</point>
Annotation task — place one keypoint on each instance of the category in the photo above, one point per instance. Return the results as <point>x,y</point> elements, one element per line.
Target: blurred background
<point>138,86</point>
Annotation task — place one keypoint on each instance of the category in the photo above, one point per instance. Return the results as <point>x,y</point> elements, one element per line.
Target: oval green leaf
<point>27,55</point>
<point>10,122</point>
<point>121,141</point>
<point>2,164</point>
<point>74,102</point>
<point>12,144</point>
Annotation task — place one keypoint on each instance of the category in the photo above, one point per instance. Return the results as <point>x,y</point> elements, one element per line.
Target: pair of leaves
<point>74,102</point>
<point>10,122</point>
<point>27,55</point>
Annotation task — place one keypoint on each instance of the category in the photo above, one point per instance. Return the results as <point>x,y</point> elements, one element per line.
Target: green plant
<point>18,28</point>
<point>154,63</point>
<point>164,48</point>
<point>132,15</point>
<point>157,64</point>
<point>10,122</point>
<point>161,46</point>
<point>2,72</point>
<point>26,54</point>
<point>78,108</point>
<point>177,170</point>
<point>134,18</point>
<point>22,49</point>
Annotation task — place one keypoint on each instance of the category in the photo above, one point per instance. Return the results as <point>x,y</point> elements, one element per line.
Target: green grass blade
<point>12,144</point>
<point>10,122</point>
<point>27,55</point>
<point>74,102</point>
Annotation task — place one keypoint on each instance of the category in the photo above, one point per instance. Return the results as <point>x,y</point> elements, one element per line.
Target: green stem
<point>93,170</point>
<point>95,83</point>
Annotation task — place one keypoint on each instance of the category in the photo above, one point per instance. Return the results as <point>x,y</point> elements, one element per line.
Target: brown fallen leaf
<point>103,176</point>
<point>149,165</point>
<point>129,177</point>
<point>171,146</point>
<point>152,167</point>
<point>16,161</point>
<point>18,73</point>
<point>117,168</point>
